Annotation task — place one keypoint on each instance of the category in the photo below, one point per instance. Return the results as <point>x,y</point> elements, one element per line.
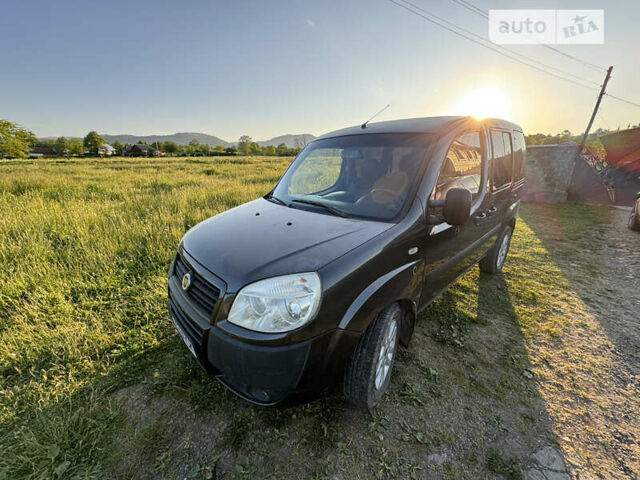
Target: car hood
<point>261,239</point>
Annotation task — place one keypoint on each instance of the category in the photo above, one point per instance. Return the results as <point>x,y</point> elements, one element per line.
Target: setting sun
<point>483,103</point>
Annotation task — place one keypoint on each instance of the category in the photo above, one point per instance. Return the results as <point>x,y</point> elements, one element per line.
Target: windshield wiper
<point>332,210</point>
<point>273,198</point>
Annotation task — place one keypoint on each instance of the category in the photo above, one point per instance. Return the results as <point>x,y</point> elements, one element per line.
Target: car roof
<point>419,125</point>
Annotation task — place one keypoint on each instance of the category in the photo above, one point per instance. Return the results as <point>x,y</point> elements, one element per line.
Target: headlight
<point>277,304</point>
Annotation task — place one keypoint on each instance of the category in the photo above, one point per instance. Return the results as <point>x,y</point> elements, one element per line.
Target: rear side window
<point>462,168</point>
<point>519,156</point>
<point>502,158</point>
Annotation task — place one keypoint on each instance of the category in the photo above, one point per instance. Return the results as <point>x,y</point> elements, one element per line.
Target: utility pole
<point>580,149</point>
<point>595,110</point>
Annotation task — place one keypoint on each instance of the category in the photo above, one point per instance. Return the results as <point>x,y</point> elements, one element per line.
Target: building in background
<point>107,149</point>
<point>140,150</point>
<point>42,151</point>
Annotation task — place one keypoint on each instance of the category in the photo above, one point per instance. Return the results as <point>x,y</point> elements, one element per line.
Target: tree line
<point>16,141</point>
<point>593,143</point>
<point>94,144</point>
<point>563,136</point>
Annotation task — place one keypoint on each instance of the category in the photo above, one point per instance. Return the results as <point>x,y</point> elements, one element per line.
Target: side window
<point>462,167</point>
<point>502,158</point>
<point>519,156</point>
<point>320,172</point>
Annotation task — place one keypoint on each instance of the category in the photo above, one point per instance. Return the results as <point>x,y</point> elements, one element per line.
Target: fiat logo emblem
<point>186,281</point>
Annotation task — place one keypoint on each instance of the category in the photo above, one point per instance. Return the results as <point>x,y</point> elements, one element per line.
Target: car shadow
<point>600,258</point>
<point>587,345</point>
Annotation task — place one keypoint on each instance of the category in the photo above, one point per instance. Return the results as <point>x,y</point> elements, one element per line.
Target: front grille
<point>195,332</point>
<point>201,293</point>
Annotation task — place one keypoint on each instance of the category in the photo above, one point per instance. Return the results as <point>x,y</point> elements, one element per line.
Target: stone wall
<point>549,171</point>
<point>586,185</point>
<point>554,174</point>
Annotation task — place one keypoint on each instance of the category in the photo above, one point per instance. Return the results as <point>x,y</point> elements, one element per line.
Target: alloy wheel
<point>504,249</point>
<point>386,354</point>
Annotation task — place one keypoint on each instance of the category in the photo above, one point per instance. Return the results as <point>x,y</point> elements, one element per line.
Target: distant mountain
<point>290,141</point>
<point>184,138</point>
<point>180,138</point>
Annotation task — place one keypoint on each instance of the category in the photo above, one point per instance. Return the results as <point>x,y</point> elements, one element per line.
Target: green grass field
<point>95,382</point>
<point>85,247</point>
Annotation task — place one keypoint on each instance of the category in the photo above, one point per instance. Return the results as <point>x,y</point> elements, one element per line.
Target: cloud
<point>311,23</point>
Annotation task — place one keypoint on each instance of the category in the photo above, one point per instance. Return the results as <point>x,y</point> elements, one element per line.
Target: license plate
<point>186,339</point>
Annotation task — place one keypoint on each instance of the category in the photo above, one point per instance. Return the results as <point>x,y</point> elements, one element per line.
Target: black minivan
<point>315,284</point>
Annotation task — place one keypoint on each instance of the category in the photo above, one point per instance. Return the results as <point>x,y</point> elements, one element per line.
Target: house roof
<point>43,150</point>
<point>140,146</point>
<point>416,125</point>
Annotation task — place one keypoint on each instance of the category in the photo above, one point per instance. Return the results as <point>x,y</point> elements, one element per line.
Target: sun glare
<point>483,103</point>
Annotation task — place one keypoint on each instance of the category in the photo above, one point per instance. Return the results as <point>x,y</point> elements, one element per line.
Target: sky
<point>267,68</point>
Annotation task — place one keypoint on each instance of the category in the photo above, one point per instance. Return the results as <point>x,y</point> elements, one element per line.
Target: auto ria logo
<point>546,26</point>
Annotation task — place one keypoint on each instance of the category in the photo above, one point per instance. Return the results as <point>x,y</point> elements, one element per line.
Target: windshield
<point>366,175</point>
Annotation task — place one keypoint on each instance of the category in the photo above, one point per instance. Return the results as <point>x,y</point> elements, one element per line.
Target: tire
<point>366,380</point>
<point>495,258</point>
<point>634,224</point>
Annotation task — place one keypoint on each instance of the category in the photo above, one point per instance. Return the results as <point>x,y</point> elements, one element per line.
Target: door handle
<point>479,218</point>
<point>492,210</point>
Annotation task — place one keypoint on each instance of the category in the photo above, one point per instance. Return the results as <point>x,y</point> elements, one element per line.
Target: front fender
<point>401,284</point>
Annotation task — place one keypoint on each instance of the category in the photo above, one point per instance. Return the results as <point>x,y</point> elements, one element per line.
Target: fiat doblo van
<point>318,282</point>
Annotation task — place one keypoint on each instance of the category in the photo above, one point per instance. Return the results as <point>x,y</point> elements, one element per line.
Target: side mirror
<point>457,206</point>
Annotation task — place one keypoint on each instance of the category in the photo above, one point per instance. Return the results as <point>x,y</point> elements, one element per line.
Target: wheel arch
<point>400,286</point>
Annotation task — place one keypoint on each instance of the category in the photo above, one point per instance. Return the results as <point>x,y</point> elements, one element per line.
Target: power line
<point>478,11</point>
<point>491,48</point>
<point>623,100</point>
<point>513,52</point>
<point>601,116</point>
<point>471,7</point>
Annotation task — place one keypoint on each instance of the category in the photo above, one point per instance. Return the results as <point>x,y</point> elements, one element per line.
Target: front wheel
<point>368,374</point>
<point>634,224</point>
<point>494,260</point>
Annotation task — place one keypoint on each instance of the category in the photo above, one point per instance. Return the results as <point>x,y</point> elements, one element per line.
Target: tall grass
<point>84,248</point>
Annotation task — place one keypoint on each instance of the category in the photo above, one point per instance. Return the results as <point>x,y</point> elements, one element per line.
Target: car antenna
<point>364,125</point>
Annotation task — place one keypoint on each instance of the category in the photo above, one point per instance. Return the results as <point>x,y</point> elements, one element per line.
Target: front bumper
<point>261,374</point>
